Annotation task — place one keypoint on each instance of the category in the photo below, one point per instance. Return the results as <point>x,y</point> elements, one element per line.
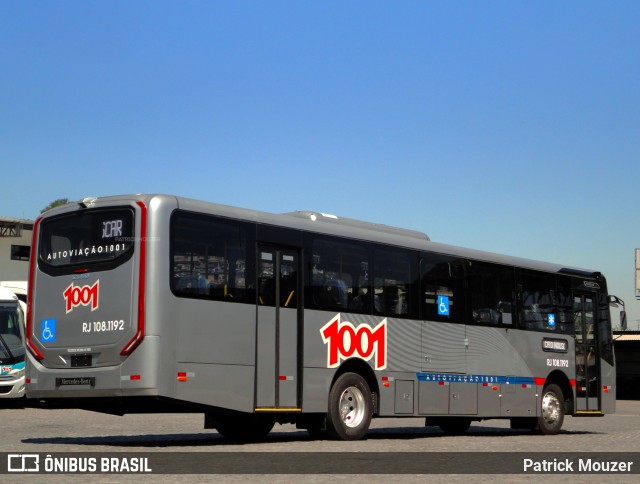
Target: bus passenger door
<point>587,354</point>
<point>277,329</point>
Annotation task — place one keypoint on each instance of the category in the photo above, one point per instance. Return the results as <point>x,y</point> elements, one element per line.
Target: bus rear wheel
<point>350,408</point>
<point>551,410</point>
<point>245,428</point>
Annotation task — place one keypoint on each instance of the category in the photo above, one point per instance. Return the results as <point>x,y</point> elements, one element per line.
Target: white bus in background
<point>11,345</point>
<point>19,288</point>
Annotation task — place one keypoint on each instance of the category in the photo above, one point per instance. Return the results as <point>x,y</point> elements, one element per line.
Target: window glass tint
<point>20,252</point>
<point>286,285</point>
<point>288,280</point>
<point>564,305</point>
<point>212,258</point>
<point>86,236</point>
<point>538,301</point>
<point>442,287</point>
<point>491,289</point>
<point>11,330</point>
<point>267,278</point>
<point>604,328</point>
<point>337,275</point>
<point>394,282</point>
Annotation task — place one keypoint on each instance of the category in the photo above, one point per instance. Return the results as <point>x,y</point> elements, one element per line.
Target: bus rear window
<point>87,237</point>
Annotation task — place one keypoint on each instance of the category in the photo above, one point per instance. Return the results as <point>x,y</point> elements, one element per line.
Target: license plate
<point>76,381</point>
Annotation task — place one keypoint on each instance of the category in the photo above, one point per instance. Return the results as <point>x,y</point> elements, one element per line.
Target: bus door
<point>588,379</point>
<point>277,328</point>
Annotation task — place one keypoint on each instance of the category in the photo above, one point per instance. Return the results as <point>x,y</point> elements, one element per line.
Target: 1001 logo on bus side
<point>344,340</point>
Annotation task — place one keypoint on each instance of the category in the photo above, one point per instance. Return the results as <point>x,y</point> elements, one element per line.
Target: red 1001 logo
<point>81,296</point>
<point>344,340</point>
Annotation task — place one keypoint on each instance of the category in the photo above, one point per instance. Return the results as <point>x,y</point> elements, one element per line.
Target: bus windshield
<point>87,237</point>
<point>11,332</point>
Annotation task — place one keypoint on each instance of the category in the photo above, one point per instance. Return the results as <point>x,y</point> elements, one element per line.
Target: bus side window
<point>442,288</point>
<point>337,275</point>
<point>211,258</point>
<point>394,282</point>
<point>564,305</point>
<point>537,294</point>
<point>491,290</point>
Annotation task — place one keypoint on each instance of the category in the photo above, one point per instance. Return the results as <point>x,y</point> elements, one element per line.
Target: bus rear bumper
<point>133,377</point>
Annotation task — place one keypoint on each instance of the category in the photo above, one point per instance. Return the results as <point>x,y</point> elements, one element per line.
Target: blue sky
<point>506,126</point>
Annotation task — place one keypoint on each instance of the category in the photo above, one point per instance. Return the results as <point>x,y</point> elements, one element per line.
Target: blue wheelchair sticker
<point>443,305</point>
<point>551,320</point>
<point>48,331</point>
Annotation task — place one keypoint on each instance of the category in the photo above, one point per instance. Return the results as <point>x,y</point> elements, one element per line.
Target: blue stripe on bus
<point>458,378</point>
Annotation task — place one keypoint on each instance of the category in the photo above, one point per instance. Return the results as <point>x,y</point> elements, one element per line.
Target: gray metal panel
<point>404,397</point>
<point>489,348</point>
<point>315,391</point>
<point>464,399</point>
<point>288,358</point>
<point>433,398</point>
<point>214,331</point>
<point>266,358</point>
<point>488,400</point>
<point>404,349</point>
<point>518,401</point>
<point>443,347</point>
<point>224,386</point>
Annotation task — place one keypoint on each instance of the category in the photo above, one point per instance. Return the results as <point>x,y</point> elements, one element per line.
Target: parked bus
<point>154,303</point>
<point>12,353</point>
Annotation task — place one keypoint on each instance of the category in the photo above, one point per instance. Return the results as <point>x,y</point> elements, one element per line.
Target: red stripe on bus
<point>137,339</point>
<point>32,263</point>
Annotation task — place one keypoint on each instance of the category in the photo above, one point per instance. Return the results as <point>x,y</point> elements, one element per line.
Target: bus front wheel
<point>350,408</point>
<point>551,410</point>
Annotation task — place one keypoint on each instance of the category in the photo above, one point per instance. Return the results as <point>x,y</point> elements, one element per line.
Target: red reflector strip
<point>130,377</point>
<point>539,381</point>
<point>606,389</point>
<point>182,376</point>
<point>286,378</point>
<point>485,384</point>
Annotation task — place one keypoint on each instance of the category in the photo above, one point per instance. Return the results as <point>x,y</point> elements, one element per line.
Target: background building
<point>15,245</point>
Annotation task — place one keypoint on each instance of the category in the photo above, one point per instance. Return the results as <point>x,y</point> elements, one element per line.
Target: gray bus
<point>156,303</point>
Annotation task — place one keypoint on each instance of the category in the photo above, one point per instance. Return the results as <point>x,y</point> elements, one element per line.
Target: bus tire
<point>350,408</point>
<point>551,410</point>
<point>245,428</point>
<point>454,425</point>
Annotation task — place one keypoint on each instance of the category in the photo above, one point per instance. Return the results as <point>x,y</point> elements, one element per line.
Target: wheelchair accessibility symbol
<point>443,305</point>
<point>48,331</point>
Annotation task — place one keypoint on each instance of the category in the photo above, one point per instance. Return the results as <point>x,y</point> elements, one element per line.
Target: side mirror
<point>623,320</point>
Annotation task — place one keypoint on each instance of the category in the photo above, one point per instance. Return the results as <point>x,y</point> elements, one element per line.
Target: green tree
<point>55,203</point>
